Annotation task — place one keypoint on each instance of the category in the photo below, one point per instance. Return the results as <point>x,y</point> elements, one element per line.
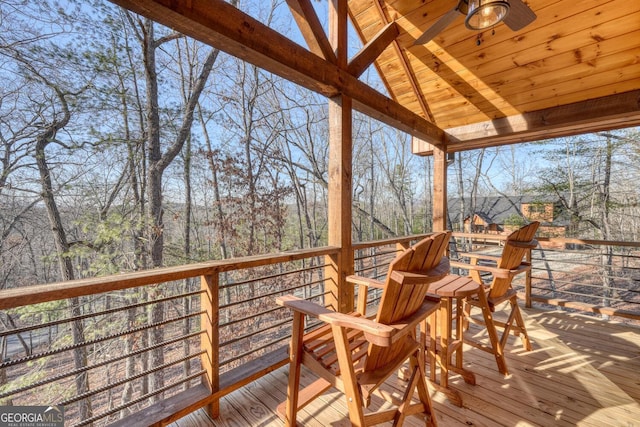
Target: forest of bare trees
<point>127,146</point>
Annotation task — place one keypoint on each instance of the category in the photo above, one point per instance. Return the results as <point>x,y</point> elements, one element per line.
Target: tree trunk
<point>248,123</point>
<point>463,207</point>
<point>136,166</point>
<point>186,301</point>
<point>428,197</point>
<point>607,257</point>
<point>474,187</point>
<point>130,362</point>
<point>213,167</point>
<point>66,268</point>
<point>157,162</point>
<point>220,216</point>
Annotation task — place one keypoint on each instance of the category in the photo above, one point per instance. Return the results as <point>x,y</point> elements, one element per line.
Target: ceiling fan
<point>481,14</point>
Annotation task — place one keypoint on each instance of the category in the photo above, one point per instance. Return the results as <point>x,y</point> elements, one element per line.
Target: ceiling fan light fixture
<point>486,13</point>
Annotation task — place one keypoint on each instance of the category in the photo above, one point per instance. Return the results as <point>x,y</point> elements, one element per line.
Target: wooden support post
<point>338,31</point>
<point>209,339</point>
<point>340,294</point>
<point>439,189</point>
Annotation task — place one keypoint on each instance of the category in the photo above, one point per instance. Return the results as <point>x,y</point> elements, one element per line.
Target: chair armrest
<point>302,305</point>
<point>479,256</point>
<point>532,244</point>
<point>409,324</point>
<point>365,281</point>
<point>502,273</point>
<point>425,276</point>
<point>376,333</point>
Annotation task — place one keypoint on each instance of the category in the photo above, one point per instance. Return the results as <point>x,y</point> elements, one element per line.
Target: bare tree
<point>59,116</point>
<point>52,95</point>
<point>160,155</point>
<point>394,160</point>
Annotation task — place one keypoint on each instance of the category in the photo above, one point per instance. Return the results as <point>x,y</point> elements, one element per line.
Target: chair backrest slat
<point>512,256</point>
<point>401,300</point>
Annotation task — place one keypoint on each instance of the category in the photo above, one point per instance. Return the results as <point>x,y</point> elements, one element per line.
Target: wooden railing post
<point>209,340</point>
<point>527,281</point>
<point>402,246</point>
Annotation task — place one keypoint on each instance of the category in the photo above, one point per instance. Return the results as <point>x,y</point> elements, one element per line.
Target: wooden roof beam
<point>311,29</point>
<point>365,57</point>
<point>404,62</point>
<point>594,115</point>
<point>217,23</point>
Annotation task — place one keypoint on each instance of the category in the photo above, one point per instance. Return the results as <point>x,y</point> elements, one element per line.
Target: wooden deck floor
<point>582,371</point>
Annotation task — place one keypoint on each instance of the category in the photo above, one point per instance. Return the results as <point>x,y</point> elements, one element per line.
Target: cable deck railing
<point>151,346</point>
<point>112,350</point>
<point>595,276</point>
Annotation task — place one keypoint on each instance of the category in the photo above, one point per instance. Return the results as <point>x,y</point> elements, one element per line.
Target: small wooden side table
<point>450,290</point>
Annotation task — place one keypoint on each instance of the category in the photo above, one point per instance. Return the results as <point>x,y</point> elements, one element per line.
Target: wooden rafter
<point>373,49</point>
<point>338,31</point>
<point>411,78</point>
<point>311,29</point>
<point>219,24</point>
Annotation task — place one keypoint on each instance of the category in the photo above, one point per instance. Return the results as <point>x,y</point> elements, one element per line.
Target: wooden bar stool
<point>451,291</point>
<point>515,259</point>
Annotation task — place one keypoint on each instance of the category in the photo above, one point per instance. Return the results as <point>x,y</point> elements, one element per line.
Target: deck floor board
<point>582,371</point>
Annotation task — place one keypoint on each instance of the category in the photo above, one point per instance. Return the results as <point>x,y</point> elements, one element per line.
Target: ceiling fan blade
<point>442,23</point>
<point>519,16</point>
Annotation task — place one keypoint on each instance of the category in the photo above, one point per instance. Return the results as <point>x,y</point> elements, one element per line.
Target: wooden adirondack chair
<point>356,354</point>
<point>503,269</point>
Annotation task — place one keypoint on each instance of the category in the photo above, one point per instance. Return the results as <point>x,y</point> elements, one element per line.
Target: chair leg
<point>423,394</point>
<point>524,336</point>
<point>518,328</point>
<point>498,350</point>
<point>416,381</point>
<point>508,325</point>
<point>466,315</point>
<point>408,394</point>
<point>348,376</point>
<point>433,336</point>
<point>295,358</point>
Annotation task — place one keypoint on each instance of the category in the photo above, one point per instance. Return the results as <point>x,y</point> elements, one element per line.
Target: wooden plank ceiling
<point>578,61</point>
<point>575,69</point>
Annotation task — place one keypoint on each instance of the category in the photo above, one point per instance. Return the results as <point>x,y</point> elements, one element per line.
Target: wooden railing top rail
<point>389,241</point>
<point>500,237</point>
<point>11,298</point>
<point>589,241</point>
<point>488,236</point>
